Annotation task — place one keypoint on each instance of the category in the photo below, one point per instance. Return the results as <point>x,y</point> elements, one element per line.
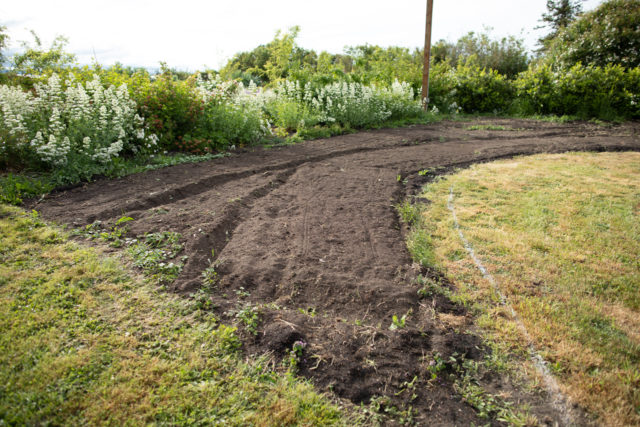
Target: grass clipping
<point>561,236</point>
<point>86,342</point>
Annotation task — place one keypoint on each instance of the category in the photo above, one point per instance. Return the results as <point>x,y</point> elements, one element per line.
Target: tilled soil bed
<point>309,235</point>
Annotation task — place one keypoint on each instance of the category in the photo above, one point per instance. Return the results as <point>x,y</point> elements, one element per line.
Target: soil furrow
<point>214,237</point>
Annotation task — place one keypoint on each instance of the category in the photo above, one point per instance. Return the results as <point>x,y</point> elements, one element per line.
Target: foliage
<point>13,188</point>
<point>156,253</point>
<point>607,35</point>
<point>172,108</point>
<point>228,124</point>
<point>609,92</point>
<point>442,88</point>
<point>279,59</point>
<point>559,14</point>
<point>351,105</point>
<point>36,59</point>
<point>249,316</point>
<point>507,56</point>
<point>4,41</point>
<point>382,66</point>
<point>482,90</point>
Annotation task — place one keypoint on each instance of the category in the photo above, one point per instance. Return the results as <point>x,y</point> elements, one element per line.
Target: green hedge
<point>610,92</point>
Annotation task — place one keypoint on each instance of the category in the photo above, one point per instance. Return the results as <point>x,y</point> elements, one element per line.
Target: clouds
<point>191,34</point>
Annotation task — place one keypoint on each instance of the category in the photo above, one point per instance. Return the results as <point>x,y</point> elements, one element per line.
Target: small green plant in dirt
<point>295,355</point>
<point>487,404</point>
<point>382,406</point>
<point>409,212</point>
<point>202,299</point>
<point>398,323</point>
<point>249,316</point>
<point>436,365</point>
<point>310,311</point>
<point>425,172</point>
<point>209,276</point>
<point>430,171</point>
<point>113,235</point>
<point>431,287</point>
<point>487,127</point>
<point>409,386</point>
<point>155,252</point>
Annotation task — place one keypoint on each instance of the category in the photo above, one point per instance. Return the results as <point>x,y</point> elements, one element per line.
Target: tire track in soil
<point>310,233</point>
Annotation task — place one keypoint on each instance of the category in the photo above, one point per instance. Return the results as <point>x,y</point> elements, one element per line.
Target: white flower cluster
<point>84,121</point>
<point>247,102</point>
<point>15,107</point>
<point>351,103</point>
<point>214,89</point>
<point>354,104</point>
<point>400,100</point>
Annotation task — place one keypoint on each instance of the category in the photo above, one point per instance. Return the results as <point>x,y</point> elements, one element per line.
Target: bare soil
<point>310,234</point>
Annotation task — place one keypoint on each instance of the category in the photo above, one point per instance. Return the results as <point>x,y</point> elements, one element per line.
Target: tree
<point>507,56</point>
<point>610,34</point>
<point>35,59</point>
<point>278,59</point>
<point>4,41</point>
<point>382,65</point>
<point>560,13</point>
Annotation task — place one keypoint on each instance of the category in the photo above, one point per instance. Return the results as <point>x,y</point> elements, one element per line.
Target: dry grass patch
<point>561,236</point>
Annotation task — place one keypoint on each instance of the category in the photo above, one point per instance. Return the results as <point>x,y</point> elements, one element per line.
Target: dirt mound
<point>307,238</point>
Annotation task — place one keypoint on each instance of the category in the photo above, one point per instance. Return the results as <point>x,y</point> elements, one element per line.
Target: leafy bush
<point>605,92</point>
<point>442,88</point>
<point>35,59</point>
<point>230,124</point>
<point>14,187</point>
<point>382,66</point>
<point>232,115</point>
<point>482,90</point>
<point>171,108</point>
<point>290,115</point>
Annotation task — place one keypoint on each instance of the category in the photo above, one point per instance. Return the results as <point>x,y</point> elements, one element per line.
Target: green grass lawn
<point>561,236</point>
<point>86,341</point>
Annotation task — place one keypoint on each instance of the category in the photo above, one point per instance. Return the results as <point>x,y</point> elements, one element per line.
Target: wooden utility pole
<point>427,56</point>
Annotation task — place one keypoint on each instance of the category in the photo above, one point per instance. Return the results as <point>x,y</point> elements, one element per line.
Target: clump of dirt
<point>307,239</point>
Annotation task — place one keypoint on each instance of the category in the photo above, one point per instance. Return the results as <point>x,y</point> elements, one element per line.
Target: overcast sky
<point>191,35</point>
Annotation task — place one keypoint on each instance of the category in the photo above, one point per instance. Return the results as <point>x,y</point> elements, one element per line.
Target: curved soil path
<point>309,234</point>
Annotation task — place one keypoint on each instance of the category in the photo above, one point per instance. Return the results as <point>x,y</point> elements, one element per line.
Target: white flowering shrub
<point>348,104</point>
<point>232,114</point>
<point>351,104</point>
<point>214,89</point>
<point>400,100</point>
<point>78,125</point>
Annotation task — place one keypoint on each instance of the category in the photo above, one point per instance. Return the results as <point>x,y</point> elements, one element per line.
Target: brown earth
<point>309,234</point>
